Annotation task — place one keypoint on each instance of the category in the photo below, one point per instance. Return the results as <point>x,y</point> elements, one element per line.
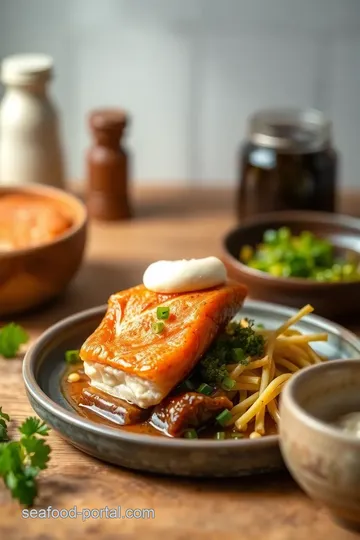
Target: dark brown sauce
<point>72,391</point>
<point>271,181</point>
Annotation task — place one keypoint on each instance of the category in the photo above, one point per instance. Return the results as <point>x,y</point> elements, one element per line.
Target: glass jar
<point>287,163</point>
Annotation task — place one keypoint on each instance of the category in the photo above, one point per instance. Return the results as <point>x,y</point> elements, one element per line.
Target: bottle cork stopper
<point>108,119</point>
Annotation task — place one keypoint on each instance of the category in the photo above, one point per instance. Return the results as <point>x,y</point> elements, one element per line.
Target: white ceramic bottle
<point>30,149</point>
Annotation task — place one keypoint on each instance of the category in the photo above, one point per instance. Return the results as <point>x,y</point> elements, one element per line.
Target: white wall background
<point>191,71</point>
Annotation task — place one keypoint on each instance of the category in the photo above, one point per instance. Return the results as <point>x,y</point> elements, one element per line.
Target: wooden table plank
<point>169,224</point>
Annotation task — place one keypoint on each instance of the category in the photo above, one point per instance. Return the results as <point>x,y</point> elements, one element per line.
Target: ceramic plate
<point>44,365</point>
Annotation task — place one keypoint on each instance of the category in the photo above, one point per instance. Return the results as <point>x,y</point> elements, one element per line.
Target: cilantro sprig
<point>34,426</point>
<point>12,336</point>
<point>4,418</point>
<point>21,461</point>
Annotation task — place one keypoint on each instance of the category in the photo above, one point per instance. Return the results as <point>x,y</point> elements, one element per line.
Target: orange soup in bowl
<point>31,220</point>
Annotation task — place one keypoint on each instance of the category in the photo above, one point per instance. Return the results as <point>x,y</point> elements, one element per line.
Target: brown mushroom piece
<point>112,408</point>
<point>190,410</point>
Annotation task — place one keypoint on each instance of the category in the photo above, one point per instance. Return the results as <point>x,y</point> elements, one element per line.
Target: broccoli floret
<point>213,369</point>
<point>245,338</point>
<point>236,344</point>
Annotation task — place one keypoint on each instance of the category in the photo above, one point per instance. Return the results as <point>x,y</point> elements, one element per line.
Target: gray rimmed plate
<point>44,365</point>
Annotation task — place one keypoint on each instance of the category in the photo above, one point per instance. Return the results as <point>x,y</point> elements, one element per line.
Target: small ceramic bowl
<point>330,299</point>
<point>324,459</point>
<point>34,275</point>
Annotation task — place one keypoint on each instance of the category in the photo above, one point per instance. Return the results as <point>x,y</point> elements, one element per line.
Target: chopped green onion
<point>205,389</point>
<point>238,355</point>
<point>186,385</point>
<point>163,312</point>
<point>246,253</point>
<point>190,434</point>
<point>237,435</point>
<point>270,236</point>
<point>220,435</point>
<point>228,384</point>
<point>260,326</point>
<point>284,234</point>
<point>72,357</point>
<point>284,254</point>
<point>158,327</point>
<point>224,417</point>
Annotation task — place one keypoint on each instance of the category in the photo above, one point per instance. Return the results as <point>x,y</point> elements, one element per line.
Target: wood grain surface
<point>169,223</point>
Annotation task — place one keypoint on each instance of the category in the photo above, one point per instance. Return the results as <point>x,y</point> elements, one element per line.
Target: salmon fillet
<point>125,358</point>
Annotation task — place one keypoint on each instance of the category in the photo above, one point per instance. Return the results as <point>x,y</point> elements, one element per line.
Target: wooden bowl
<point>34,275</point>
<point>333,299</point>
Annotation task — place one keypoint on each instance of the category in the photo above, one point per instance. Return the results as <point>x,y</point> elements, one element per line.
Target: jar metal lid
<point>290,130</point>
<point>25,69</point>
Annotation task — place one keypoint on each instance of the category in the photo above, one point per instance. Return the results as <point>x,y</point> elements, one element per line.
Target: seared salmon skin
<point>127,358</point>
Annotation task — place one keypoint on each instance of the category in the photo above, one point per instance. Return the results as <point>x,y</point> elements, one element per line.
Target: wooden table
<point>169,224</point>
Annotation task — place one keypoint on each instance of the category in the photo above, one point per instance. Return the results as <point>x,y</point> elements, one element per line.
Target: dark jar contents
<point>288,163</point>
<point>107,166</point>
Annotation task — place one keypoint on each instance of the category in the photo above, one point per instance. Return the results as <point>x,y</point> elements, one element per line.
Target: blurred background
<point>191,72</point>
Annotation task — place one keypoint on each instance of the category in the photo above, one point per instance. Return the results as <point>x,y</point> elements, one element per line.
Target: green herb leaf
<point>4,415</point>
<point>12,336</point>
<point>4,418</point>
<point>33,425</point>
<point>22,488</point>
<point>10,458</point>
<point>37,451</point>
<point>21,461</point>
<point>3,432</point>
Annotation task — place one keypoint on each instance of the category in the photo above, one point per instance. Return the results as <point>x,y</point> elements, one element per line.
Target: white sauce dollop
<point>185,275</point>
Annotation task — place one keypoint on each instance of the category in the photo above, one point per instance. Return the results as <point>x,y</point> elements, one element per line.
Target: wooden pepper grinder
<point>107,166</point>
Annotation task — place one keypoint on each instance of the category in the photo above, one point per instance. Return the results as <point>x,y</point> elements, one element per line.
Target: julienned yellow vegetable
<point>261,380</point>
<point>283,254</point>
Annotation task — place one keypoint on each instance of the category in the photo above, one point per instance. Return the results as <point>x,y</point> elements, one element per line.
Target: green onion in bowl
<point>305,255</point>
